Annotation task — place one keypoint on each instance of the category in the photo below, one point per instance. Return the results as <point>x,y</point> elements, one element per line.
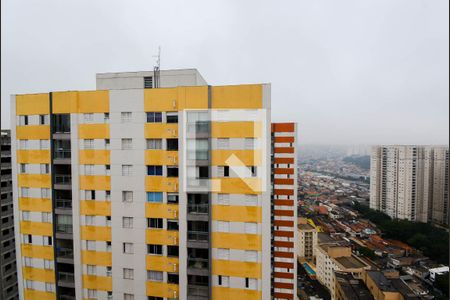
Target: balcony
<point>64,255</point>
<point>62,156</point>
<point>198,292</point>
<point>63,204</point>
<point>198,208</point>
<point>66,279</point>
<point>63,182</point>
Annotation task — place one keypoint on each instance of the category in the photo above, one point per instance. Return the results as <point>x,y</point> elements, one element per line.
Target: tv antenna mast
<point>157,69</point>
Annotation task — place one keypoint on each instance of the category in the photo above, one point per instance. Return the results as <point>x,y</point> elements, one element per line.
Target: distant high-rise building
<point>8,270</point>
<point>145,191</point>
<point>411,182</point>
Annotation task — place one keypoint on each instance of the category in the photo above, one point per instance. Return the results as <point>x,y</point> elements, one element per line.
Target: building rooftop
<point>305,227</point>
<point>350,262</point>
<point>352,288</point>
<point>381,281</point>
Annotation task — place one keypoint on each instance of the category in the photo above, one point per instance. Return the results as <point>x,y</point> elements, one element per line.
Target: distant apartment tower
<point>284,210</point>
<point>411,182</point>
<point>137,191</point>
<point>307,236</point>
<point>8,270</point>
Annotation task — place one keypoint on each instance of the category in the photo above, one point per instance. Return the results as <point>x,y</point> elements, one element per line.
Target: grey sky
<point>349,72</point>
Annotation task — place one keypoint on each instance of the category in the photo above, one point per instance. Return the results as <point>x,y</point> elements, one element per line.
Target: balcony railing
<point>61,154</point>
<point>63,179</point>
<point>198,208</point>
<point>198,236</point>
<point>64,228</point>
<point>198,263</point>
<point>63,203</point>
<point>66,297</point>
<point>198,291</point>
<point>66,277</point>
<point>65,252</point>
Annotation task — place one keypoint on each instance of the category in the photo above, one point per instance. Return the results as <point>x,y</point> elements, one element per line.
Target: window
<point>128,297</point>
<point>249,143</point>
<point>172,117</point>
<point>253,171</point>
<point>47,240</point>
<point>223,143</point>
<point>172,278</point>
<point>88,144</point>
<point>25,215</point>
<point>223,254</point>
<point>251,255</point>
<point>251,228</point>
<point>45,193</point>
<point>44,144</point>
<point>127,144</point>
<point>89,220</point>
<point>108,246</point>
<point>223,199</point>
<point>48,264</point>
<point>155,223</point>
<point>125,117</point>
<point>45,169</point>
<point>46,217</point>
<point>108,221</point>
<point>223,280</point>
<point>107,143</point>
<point>154,117</point>
<point>106,118</point>
<point>127,170</point>
<point>24,191</point>
<point>172,251</point>
<point>88,118</point>
<point>128,248</point>
<point>91,270</point>
<point>29,284</point>
<point>154,197</point>
<point>107,169</point>
<point>127,196</point>
<point>154,170</point>
<point>109,271</point>
<point>223,226</point>
<point>128,273</point>
<point>27,239</point>
<point>251,200</point>
<point>223,171</point>
<point>127,222</point>
<point>91,294</point>
<point>172,144</point>
<point>172,171</point>
<point>108,195</point>
<point>251,283</point>
<point>49,287</point>
<point>109,295</point>
<point>154,276</point>
<point>90,245</point>
<point>172,198</point>
<point>154,249</point>
<point>23,144</point>
<point>23,168</point>
<point>172,225</point>
<point>28,261</point>
<point>89,195</point>
<point>148,82</point>
<point>154,143</point>
<point>88,169</point>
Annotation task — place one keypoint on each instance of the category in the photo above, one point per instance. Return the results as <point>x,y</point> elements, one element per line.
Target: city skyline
<point>378,75</point>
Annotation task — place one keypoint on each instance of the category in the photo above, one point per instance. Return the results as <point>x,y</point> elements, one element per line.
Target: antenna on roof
<point>156,69</point>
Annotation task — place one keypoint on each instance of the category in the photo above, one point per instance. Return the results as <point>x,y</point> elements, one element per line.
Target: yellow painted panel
<point>236,268</point>
<point>161,210</point>
<point>247,96</point>
<point>241,129</point>
<point>95,233</point>
<point>236,157</point>
<point>33,104</point>
<point>94,157</point>
<point>237,213</point>
<point>95,182</point>
<point>93,102</point>
<point>162,263</point>
<point>161,184</point>
<point>161,158</point>
<point>223,293</point>
<point>95,208</point>
<point>161,237</point>
<point>93,131</point>
<point>36,274</point>
<point>35,204</point>
<point>161,130</point>
<point>64,102</point>
<point>36,251</point>
<point>240,241</point>
<point>101,283</point>
<point>35,294</point>
<point>236,185</point>
<point>33,156</point>
<point>162,99</point>
<point>34,180</point>
<point>36,228</point>
<point>193,97</point>
<point>161,289</point>
<point>33,132</point>
<point>96,258</point>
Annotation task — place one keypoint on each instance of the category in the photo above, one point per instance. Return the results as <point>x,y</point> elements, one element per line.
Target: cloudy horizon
<point>349,72</point>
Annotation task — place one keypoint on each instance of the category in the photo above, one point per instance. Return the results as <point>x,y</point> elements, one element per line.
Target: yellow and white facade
<point>103,198</point>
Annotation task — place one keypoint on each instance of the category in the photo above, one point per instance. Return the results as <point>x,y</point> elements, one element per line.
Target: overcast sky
<point>349,72</point>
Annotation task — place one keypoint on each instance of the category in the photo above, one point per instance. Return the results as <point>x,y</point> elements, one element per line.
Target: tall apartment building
<point>150,187</point>
<point>307,236</point>
<point>411,182</point>
<point>8,270</point>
